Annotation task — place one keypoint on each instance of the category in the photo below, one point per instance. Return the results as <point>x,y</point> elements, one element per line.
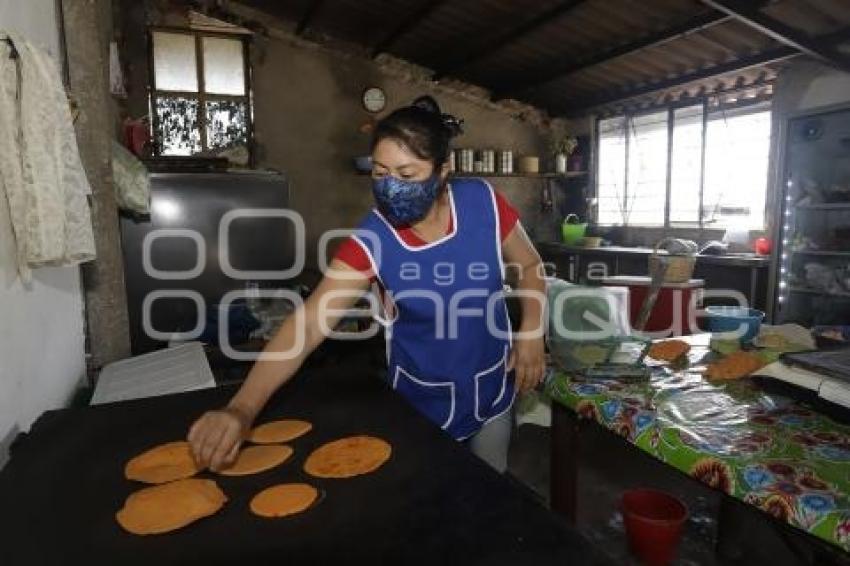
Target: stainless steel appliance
<point>812,278</point>
<point>180,243</point>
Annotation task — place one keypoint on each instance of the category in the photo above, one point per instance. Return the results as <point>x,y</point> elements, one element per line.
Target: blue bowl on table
<point>740,320</point>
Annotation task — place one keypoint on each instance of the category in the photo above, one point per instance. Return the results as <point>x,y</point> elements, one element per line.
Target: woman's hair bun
<point>452,124</point>
<point>427,103</point>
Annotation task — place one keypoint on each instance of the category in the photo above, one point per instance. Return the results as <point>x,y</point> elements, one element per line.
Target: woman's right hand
<point>216,437</point>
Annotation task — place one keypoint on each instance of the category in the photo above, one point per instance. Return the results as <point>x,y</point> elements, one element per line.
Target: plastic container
<point>733,320</point>
<point>572,231</point>
<point>363,163</point>
<point>654,521</point>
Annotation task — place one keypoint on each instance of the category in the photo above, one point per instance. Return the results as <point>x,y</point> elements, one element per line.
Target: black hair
<point>422,128</point>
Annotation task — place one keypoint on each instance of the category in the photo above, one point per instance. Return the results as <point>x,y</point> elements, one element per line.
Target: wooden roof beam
<point>408,24</point>
<point>510,36</point>
<point>765,58</point>
<point>309,15</point>
<point>508,89</point>
<point>748,13</point>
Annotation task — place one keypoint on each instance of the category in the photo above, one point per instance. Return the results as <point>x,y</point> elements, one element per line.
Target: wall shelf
<point>826,253</point>
<point>825,206</point>
<point>805,291</point>
<point>567,175</point>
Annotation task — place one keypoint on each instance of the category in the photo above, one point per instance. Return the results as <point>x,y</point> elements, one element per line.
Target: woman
<point>437,250</point>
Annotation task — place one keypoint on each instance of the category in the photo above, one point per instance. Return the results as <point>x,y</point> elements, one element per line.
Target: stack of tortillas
<point>166,507</point>
<point>176,500</point>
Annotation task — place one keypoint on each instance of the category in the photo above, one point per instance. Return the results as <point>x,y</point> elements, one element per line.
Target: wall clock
<point>374,99</point>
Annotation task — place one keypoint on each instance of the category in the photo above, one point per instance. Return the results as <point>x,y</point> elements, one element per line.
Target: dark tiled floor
<point>609,466</point>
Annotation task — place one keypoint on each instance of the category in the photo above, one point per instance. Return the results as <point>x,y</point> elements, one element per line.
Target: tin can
<point>506,162</point>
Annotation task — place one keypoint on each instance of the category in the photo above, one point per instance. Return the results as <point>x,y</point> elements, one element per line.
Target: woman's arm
<point>216,436</point>
<point>528,354</point>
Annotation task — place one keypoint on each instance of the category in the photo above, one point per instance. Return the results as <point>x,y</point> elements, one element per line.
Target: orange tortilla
<point>167,507</point>
<point>256,459</point>
<point>348,457</point>
<point>668,350</point>
<point>284,499</point>
<point>277,432</point>
<point>734,366</point>
<point>163,463</point>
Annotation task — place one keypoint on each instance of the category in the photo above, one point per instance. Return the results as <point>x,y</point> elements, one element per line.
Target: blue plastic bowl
<point>731,320</point>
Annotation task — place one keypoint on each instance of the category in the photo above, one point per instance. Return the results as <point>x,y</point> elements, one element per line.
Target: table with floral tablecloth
<point>766,450</point>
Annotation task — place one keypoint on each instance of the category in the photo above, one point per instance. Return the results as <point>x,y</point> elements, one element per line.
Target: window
<point>200,97</point>
<point>681,166</point>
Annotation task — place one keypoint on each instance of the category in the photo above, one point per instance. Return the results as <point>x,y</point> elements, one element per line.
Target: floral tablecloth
<point>765,450</point>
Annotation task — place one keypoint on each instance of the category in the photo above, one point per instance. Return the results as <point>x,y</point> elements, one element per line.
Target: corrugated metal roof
<point>588,54</point>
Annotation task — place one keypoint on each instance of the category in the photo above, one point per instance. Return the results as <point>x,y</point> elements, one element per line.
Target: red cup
<point>654,522</point>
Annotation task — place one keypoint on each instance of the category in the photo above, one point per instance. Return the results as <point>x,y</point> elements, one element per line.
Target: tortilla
<point>277,432</point>
<point>348,457</point>
<point>163,463</point>
<point>170,506</point>
<point>256,459</point>
<point>668,350</point>
<point>284,499</point>
<point>734,366</point>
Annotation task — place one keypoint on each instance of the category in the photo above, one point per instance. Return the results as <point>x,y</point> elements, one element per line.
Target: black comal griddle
<point>432,503</point>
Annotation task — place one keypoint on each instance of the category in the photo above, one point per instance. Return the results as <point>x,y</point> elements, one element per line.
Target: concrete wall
<point>308,114</point>
<point>41,325</point>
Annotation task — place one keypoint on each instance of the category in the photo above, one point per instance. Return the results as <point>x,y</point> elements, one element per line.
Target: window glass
<point>224,66</point>
<point>632,168</point>
<point>226,123</point>
<point>612,170</point>
<point>686,170</point>
<point>736,166</point>
<point>646,178</point>
<point>174,61</point>
<point>177,125</point>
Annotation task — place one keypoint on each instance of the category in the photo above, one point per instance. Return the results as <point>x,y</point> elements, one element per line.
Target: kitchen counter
<point>433,502</point>
<point>744,274</point>
<point>732,260</point>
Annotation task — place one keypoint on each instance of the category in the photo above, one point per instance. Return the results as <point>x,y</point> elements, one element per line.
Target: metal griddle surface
<point>433,502</point>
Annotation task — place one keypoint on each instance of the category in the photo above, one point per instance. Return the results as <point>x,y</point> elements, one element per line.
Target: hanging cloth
<point>41,174</point>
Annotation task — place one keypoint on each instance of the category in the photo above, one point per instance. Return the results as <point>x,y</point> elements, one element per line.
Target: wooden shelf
<point>825,206</point>
<point>825,253</point>
<point>567,175</point>
<point>805,291</point>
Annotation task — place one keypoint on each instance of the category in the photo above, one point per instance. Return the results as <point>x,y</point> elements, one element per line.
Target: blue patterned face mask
<point>405,202</point>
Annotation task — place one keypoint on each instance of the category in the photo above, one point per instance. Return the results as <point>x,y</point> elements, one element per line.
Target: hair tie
<point>452,124</point>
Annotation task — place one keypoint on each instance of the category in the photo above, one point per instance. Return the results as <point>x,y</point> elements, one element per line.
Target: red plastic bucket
<point>654,521</point>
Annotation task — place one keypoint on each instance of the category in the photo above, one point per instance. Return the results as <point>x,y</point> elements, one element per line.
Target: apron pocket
<point>490,388</point>
<point>435,399</point>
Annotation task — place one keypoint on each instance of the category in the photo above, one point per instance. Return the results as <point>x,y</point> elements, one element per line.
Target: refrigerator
<point>174,276</point>
<point>811,282</point>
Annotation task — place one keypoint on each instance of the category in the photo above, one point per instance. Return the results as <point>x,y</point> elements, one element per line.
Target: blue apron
<point>449,340</point>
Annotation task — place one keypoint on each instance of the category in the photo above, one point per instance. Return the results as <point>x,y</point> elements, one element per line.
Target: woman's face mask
<point>402,201</point>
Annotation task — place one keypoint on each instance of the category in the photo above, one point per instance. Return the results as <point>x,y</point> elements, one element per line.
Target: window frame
<point>201,96</point>
<point>707,109</point>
